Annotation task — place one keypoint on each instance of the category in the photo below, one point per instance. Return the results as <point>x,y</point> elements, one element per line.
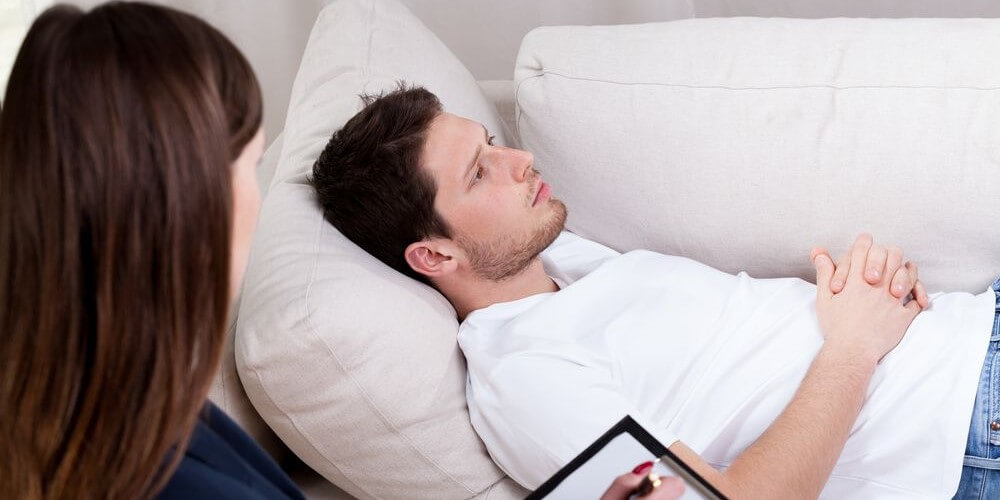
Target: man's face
<point>500,211</point>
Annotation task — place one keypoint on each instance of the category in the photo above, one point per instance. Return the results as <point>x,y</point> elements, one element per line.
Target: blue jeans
<point>981,473</point>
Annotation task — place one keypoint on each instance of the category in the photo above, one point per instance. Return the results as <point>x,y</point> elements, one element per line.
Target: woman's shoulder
<point>221,461</point>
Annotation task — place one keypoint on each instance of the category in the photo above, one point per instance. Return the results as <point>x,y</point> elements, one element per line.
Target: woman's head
<point>128,137</point>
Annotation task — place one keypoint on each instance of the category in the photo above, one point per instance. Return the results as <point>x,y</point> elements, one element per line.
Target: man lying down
<point>770,388</point>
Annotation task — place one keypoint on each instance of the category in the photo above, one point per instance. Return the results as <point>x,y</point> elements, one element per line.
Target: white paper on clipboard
<point>592,478</point>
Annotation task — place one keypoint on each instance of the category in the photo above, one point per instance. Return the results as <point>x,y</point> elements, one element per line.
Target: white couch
<point>737,142</point>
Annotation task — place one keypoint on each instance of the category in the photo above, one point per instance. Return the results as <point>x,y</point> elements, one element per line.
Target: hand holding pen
<point>643,483</point>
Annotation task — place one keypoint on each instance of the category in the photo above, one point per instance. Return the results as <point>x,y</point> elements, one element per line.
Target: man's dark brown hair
<point>369,181</point>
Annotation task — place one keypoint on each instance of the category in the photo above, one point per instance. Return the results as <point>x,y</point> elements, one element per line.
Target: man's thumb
<point>824,270</point>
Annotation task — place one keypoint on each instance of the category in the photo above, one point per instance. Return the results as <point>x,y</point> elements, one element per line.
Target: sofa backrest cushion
<point>743,142</point>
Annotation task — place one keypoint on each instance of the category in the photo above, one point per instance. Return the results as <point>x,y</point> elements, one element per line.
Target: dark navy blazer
<point>224,462</point>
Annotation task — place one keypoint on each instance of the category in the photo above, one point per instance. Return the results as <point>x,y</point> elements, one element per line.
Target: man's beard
<point>508,255</point>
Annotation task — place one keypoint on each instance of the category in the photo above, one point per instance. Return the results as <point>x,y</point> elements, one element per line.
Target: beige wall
<point>13,23</point>
<point>485,34</point>
<point>271,33</point>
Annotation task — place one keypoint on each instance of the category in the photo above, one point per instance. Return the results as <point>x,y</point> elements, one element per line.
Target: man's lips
<point>541,193</point>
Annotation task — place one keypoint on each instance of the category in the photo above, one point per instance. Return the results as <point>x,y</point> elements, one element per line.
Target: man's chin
<point>560,212</point>
<point>550,231</point>
<point>501,260</point>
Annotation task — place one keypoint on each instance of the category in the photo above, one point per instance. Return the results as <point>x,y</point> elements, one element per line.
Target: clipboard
<point>623,446</point>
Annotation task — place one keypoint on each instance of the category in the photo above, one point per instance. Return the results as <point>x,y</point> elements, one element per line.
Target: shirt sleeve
<point>536,413</point>
<point>571,257</point>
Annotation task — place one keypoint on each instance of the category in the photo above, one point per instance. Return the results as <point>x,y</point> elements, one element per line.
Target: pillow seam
<point>771,87</point>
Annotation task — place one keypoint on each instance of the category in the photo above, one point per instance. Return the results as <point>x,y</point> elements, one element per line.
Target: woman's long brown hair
<point>117,134</point>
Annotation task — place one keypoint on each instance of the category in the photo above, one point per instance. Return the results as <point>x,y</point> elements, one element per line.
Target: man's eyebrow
<point>475,159</point>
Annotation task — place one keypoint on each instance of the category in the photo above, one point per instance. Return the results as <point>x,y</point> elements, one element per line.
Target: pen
<point>648,484</point>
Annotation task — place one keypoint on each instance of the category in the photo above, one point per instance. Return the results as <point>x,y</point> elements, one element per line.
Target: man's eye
<point>490,140</point>
<point>480,173</point>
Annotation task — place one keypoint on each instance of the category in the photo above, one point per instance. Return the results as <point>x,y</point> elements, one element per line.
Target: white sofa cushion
<point>742,142</point>
<point>353,365</point>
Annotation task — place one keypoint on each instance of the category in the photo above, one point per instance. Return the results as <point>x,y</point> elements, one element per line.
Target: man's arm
<point>795,456</point>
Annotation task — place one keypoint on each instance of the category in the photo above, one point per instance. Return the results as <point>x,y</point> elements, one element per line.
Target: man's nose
<point>521,163</point>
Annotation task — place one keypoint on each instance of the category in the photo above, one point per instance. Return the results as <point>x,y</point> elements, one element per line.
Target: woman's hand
<point>670,488</point>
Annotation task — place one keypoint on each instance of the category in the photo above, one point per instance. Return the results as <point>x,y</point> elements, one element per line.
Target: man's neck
<point>476,294</point>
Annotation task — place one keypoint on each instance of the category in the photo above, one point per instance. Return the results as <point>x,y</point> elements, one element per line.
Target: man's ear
<point>433,258</point>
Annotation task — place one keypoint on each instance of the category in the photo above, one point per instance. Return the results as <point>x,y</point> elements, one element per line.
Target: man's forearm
<point>794,457</point>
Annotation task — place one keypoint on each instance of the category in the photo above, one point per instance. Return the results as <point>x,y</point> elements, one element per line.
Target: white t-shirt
<point>711,359</point>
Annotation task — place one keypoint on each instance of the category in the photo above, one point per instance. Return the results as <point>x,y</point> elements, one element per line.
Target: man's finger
<point>876,264</point>
<point>840,274</point>
<point>920,295</point>
<point>824,272</point>
<point>919,292</point>
<point>902,282</point>
<point>893,262</point>
<point>859,255</point>
<point>912,309</point>
<point>817,251</point>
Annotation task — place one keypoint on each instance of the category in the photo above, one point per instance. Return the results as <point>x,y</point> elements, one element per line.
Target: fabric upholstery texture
<point>353,365</point>
<point>742,142</point>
